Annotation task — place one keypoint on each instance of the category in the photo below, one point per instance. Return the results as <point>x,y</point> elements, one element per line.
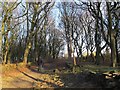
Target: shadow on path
<point>39,80</point>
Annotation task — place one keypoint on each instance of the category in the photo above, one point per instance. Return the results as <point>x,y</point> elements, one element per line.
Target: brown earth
<point>29,77</point>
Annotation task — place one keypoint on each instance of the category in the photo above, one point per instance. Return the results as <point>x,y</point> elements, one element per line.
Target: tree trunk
<point>97,42</point>
<point>112,34</point>
<point>6,51</point>
<point>117,54</point>
<point>9,58</point>
<point>113,51</point>
<point>26,53</point>
<point>87,54</point>
<point>0,47</point>
<point>69,50</point>
<point>92,56</point>
<point>1,37</point>
<point>98,55</point>
<point>5,57</point>
<point>74,59</point>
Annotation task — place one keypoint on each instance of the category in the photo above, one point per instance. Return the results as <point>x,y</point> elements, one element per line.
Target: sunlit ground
<point>85,76</point>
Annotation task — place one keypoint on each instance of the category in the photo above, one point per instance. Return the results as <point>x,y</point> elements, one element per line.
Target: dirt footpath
<point>25,78</point>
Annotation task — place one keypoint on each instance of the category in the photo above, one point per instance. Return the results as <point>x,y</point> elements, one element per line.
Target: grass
<point>97,68</point>
<point>93,69</point>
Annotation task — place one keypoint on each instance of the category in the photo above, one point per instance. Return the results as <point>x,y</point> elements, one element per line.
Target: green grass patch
<point>102,69</point>
<point>93,69</point>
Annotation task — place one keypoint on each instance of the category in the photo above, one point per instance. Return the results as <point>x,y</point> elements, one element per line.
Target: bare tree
<point>37,22</point>
<point>6,28</point>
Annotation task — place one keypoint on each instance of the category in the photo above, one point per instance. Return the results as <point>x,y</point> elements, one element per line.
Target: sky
<point>55,13</point>
<point>56,16</point>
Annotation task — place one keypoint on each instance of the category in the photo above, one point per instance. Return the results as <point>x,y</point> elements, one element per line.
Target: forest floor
<point>29,77</point>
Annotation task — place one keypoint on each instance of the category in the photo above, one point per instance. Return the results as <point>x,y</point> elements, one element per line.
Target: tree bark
<point>0,47</point>
<point>2,33</point>
<point>113,51</point>
<point>112,37</point>
<point>97,44</point>
<point>26,53</point>
<point>6,51</point>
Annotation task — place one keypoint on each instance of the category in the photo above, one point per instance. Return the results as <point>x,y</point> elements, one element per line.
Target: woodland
<point>60,44</point>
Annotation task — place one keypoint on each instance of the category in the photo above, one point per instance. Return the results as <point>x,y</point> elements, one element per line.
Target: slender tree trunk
<point>97,44</point>
<point>102,57</point>
<point>69,51</point>
<point>98,55</point>
<point>6,51</point>
<point>92,56</point>
<point>74,59</point>
<point>87,54</point>
<point>112,37</point>
<point>2,33</point>
<point>26,45</point>
<point>9,58</point>
<point>113,51</point>
<point>117,54</point>
<point>27,53</point>
<point>73,51</point>
<point>5,57</point>
<point>0,47</point>
<point>36,47</point>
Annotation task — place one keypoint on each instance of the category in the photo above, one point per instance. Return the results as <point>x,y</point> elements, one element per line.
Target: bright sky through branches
<point>60,0</point>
